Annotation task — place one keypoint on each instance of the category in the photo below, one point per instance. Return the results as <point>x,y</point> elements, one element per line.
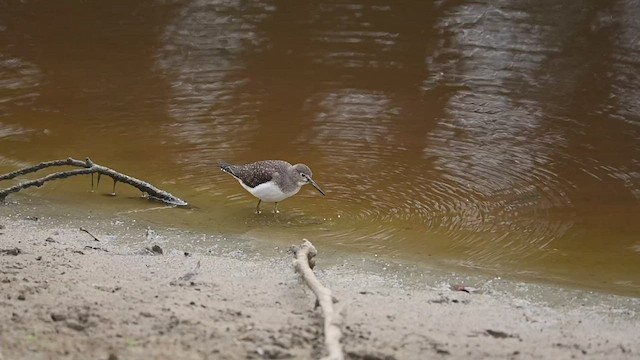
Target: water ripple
<point>19,82</point>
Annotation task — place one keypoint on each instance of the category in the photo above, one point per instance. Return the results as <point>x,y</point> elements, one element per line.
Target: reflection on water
<point>501,136</point>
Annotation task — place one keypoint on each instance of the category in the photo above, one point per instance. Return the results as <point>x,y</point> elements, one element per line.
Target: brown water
<point>498,135</point>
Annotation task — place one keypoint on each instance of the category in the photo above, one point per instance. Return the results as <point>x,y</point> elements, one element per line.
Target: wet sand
<point>65,295</point>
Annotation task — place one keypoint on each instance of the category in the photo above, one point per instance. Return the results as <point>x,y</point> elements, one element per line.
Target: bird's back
<point>255,173</point>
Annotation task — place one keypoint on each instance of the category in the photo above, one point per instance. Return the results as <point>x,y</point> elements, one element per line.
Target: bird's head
<point>304,176</point>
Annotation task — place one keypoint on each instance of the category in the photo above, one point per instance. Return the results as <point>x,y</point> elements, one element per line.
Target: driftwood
<point>303,264</point>
<point>86,167</point>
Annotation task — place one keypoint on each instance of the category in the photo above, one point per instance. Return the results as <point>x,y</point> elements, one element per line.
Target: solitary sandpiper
<point>271,180</point>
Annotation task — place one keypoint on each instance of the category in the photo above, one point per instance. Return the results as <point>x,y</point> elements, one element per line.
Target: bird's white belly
<point>269,192</point>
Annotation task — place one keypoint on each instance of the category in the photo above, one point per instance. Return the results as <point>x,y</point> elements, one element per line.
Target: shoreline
<point>67,296</point>
<point>262,238</point>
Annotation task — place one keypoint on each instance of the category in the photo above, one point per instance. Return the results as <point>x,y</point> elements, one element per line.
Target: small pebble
<point>157,249</point>
<point>75,325</point>
<point>58,317</point>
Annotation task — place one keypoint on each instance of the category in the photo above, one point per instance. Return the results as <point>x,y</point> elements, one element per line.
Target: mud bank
<point>64,295</point>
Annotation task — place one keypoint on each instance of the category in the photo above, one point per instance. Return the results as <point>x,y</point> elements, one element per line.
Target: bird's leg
<point>258,207</point>
<point>275,209</point>
<point>114,187</point>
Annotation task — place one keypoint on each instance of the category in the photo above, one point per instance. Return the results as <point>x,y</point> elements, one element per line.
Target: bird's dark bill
<point>313,183</point>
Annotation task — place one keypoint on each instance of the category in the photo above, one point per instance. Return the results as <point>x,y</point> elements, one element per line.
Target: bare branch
<point>88,167</point>
<point>303,264</point>
<point>43,165</point>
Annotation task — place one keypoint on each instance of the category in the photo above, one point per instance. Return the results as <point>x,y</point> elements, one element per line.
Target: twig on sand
<point>303,264</point>
<point>90,234</point>
<point>14,251</point>
<point>86,167</point>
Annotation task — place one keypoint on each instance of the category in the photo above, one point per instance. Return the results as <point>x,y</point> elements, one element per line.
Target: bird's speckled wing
<point>256,173</point>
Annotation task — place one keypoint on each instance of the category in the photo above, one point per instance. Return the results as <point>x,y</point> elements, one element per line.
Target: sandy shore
<point>66,296</point>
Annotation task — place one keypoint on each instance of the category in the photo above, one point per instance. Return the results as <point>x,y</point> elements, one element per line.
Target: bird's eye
<point>303,175</point>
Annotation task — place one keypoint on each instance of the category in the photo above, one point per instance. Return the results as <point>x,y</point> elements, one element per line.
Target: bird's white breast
<point>269,191</point>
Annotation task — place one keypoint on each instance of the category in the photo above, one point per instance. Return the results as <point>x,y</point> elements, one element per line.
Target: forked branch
<point>304,264</point>
<point>86,167</point>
